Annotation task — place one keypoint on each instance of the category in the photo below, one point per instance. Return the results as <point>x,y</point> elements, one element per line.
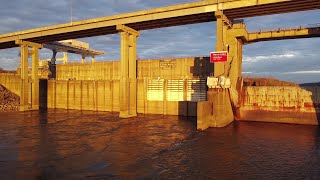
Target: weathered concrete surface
<point>216,112</point>
<point>11,81</point>
<point>230,38</point>
<point>167,68</point>
<point>297,105</point>
<point>104,95</point>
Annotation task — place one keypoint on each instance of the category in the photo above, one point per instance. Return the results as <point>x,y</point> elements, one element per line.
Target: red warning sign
<point>220,56</point>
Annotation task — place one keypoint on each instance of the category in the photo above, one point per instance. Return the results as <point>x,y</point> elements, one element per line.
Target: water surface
<point>61,144</point>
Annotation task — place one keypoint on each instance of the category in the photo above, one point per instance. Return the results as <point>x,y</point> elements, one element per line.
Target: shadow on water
<point>43,117</point>
<point>47,148</point>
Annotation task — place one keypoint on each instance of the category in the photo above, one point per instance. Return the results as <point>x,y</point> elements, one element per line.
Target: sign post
<point>219,56</point>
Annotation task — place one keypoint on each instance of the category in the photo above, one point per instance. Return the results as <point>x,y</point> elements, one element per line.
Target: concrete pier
<point>29,100</point>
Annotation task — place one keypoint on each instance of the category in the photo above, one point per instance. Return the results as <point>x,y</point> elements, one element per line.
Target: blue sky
<point>292,60</point>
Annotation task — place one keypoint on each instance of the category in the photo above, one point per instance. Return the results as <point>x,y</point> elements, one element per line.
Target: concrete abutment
<point>222,103</point>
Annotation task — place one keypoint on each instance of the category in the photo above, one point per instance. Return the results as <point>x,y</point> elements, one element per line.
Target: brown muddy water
<point>61,144</point>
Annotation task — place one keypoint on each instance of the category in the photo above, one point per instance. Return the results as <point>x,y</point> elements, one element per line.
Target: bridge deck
<point>284,34</point>
<point>196,12</point>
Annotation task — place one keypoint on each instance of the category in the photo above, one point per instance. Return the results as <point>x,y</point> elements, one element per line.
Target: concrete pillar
<point>220,109</point>
<point>24,105</point>
<point>65,57</point>
<point>128,66</point>
<point>236,37</point>
<point>132,75</point>
<point>83,59</point>
<point>25,90</point>
<point>52,65</point>
<point>35,79</point>
<point>223,24</point>
<point>124,77</point>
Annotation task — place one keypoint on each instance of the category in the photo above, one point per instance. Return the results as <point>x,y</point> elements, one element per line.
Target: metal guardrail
<point>307,26</point>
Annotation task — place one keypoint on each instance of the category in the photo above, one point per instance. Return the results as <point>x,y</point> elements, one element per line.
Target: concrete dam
<point>170,118</point>
<point>169,86</point>
<point>173,86</point>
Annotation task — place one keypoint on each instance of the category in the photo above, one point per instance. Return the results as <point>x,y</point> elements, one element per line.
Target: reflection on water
<point>80,145</point>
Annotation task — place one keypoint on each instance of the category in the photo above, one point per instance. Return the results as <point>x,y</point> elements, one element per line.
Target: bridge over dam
<point>219,109</point>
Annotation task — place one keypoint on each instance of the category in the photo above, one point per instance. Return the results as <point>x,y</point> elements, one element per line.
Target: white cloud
<point>304,72</point>
<point>272,57</point>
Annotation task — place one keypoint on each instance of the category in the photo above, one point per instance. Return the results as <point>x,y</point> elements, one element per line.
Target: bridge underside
<point>190,13</point>
<point>272,8</point>
<point>144,25</point>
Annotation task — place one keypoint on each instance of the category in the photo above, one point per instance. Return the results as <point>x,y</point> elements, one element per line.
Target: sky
<point>291,60</point>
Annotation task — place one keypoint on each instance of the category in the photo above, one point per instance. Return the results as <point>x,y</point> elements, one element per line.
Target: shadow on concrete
<point>43,94</point>
<point>201,70</point>
<point>314,88</point>
<point>202,67</point>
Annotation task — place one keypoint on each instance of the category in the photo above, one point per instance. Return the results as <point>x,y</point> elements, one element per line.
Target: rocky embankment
<point>255,81</point>
<point>8,100</point>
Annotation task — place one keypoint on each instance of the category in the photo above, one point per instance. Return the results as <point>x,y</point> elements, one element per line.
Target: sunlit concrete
<point>128,64</point>
<point>29,100</point>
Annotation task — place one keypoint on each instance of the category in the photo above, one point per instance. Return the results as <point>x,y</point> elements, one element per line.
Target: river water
<point>61,144</point>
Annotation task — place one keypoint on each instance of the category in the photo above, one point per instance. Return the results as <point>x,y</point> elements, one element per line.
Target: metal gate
<point>155,89</point>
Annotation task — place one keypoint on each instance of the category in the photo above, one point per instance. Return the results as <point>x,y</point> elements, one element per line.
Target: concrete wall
<point>217,111</point>
<point>174,68</point>
<point>11,81</point>
<point>103,95</point>
<point>95,86</point>
<point>299,105</point>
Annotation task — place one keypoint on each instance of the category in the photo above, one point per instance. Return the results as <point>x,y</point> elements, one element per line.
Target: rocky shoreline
<point>8,100</point>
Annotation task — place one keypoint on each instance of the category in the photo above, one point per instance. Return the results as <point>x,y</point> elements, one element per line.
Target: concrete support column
<point>52,65</point>
<point>124,77</point>
<point>222,113</point>
<point>237,36</point>
<point>83,59</point>
<point>25,90</point>
<point>35,79</point>
<point>65,57</point>
<point>219,111</point>
<point>223,24</point>
<point>24,93</point>
<point>128,66</point>
<point>132,75</point>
